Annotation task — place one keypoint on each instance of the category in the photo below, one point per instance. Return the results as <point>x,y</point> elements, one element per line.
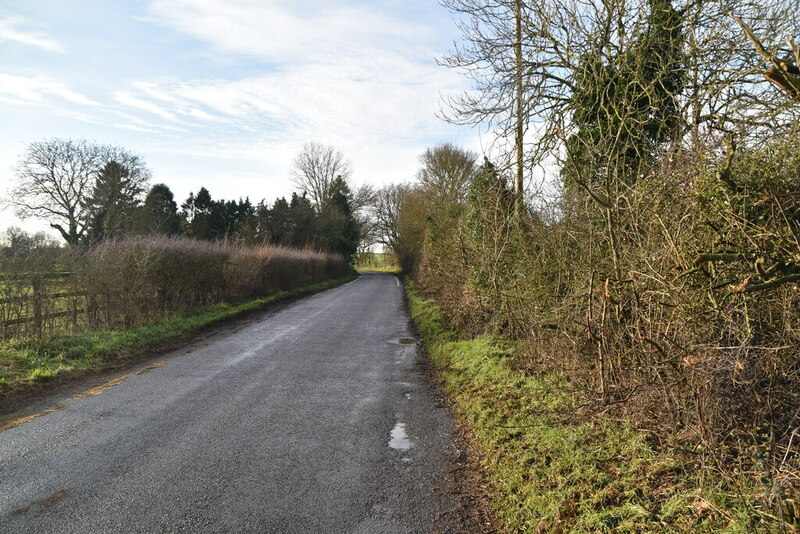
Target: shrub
<point>132,281</point>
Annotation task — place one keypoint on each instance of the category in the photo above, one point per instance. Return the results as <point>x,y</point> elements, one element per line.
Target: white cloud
<point>358,78</point>
<point>35,89</point>
<point>334,69</point>
<point>131,100</point>
<point>288,31</point>
<point>134,128</point>
<point>382,124</point>
<point>10,31</point>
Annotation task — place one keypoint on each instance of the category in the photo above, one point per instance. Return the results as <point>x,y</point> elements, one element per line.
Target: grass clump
<point>550,471</point>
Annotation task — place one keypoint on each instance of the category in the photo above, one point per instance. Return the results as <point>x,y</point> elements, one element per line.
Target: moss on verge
<point>548,473</point>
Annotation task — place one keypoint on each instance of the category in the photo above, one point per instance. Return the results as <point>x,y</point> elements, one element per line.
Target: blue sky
<point>224,93</point>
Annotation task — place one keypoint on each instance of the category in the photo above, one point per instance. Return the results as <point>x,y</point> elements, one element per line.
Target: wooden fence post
<point>36,302</point>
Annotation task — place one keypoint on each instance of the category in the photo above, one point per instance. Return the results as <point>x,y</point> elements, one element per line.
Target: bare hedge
<point>121,283</point>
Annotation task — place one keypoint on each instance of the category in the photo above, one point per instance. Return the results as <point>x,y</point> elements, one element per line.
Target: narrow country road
<point>316,417</point>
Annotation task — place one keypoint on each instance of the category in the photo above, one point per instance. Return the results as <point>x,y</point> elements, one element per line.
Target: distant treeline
<point>295,223</point>
<point>90,193</point>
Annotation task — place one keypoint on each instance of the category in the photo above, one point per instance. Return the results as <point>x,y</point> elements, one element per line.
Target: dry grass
<point>123,283</point>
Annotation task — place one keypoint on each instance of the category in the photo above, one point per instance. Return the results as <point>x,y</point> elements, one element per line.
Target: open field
<point>384,269</point>
<point>377,262</point>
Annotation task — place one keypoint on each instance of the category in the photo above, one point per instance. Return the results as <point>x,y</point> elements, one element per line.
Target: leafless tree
<point>315,169</point>
<point>783,72</point>
<point>362,203</point>
<point>446,172</point>
<point>388,201</point>
<point>723,87</point>
<point>399,217</point>
<point>55,177</point>
<point>361,198</point>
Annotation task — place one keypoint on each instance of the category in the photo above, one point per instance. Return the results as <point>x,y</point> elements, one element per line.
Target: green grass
<point>378,262</point>
<point>381,269</point>
<point>548,473</point>
<point>24,364</point>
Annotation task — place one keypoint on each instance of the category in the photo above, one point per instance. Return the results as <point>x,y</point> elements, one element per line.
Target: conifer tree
<point>111,207</point>
<point>159,213</point>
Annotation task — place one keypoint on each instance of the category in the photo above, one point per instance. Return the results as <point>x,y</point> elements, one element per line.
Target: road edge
<point>467,481</point>
<point>17,401</point>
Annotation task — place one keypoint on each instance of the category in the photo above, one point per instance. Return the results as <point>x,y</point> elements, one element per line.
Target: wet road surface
<point>317,417</point>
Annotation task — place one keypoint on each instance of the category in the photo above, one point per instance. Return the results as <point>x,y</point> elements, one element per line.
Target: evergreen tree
<point>159,214</point>
<point>238,218</point>
<point>198,215</point>
<point>274,222</point>
<point>217,221</point>
<point>338,230</point>
<point>625,106</point>
<point>111,207</point>
<point>301,222</point>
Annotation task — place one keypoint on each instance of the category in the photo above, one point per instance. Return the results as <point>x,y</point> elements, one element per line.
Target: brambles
<point>660,276</point>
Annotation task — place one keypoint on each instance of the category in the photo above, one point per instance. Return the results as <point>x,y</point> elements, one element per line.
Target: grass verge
<point>27,366</point>
<point>547,473</point>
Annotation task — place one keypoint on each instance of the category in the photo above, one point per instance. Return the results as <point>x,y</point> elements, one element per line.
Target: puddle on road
<point>407,396</point>
<point>399,439</point>
<point>406,341</point>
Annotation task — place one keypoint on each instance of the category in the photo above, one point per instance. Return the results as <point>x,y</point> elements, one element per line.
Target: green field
<point>377,261</point>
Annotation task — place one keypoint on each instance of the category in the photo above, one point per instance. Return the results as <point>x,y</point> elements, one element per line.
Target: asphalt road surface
<point>315,417</point>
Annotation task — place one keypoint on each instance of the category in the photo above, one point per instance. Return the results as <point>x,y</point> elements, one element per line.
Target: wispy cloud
<point>131,100</point>
<point>352,75</point>
<point>16,29</point>
<point>288,31</point>
<point>374,121</point>
<point>228,91</point>
<point>37,90</point>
